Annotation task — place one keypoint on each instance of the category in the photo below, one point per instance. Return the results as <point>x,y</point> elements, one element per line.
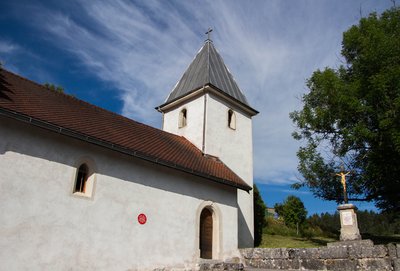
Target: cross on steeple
<point>208,33</point>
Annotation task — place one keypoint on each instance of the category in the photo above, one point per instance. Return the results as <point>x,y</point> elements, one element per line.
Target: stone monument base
<point>348,223</point>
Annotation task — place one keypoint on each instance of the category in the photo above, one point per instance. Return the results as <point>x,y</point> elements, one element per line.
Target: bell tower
<point>207,107</point>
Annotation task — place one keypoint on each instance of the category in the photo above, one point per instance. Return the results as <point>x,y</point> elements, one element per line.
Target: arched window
<point>231,119</point>
<point>81,179</point>
<point>84,178</point>
<point>182,118</point>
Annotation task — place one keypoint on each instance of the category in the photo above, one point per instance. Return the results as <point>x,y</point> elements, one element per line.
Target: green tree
<point>54,87</point>
<point>351,116</point>
<point>369,222</point>
<point>328,223</point>
<point>292,211</point>
<point>259,216</point>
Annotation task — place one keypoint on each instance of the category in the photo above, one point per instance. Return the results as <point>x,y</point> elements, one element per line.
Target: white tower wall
<point>195,121</point>
<point>207,128</point>
<point>235,148</point>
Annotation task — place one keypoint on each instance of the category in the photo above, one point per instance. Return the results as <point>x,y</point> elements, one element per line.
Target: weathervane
<point>343,181</point>
<point>208,33</point>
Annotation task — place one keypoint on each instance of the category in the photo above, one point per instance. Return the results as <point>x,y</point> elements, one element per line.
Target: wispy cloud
<point>288,191</point>
<point>271,47</point>
<point>7,47</point>
<point>295,192</point>
<point>141,52</point>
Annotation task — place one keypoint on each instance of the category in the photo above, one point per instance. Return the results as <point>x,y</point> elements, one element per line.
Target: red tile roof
<point>28,101</point>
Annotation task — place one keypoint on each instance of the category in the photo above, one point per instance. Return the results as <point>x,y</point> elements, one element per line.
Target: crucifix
<point>343,181</point>
<point>208,33</point>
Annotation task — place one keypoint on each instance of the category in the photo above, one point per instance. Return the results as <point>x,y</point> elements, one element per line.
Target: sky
<point>126,56</point>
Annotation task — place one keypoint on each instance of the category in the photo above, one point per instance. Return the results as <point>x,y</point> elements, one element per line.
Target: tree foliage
<point>54,87</point>
<point>259,216</point>
<point>328,223</point>
<point>369,223</point>
<point>351,117</point>
<point>292,211</point>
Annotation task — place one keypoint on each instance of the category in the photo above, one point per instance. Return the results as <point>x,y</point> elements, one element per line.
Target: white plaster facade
<point>44,226</point>
<point>207,128</point>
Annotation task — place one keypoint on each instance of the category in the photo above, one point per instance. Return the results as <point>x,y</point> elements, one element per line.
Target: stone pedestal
<point>348,222</point>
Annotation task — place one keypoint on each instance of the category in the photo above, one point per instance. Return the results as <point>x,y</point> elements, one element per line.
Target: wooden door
<point>206,234</point>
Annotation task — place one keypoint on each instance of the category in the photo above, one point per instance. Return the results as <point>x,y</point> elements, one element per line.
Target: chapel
<point>84,188</point>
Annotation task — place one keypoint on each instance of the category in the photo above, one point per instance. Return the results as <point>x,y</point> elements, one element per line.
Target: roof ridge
<point>23,78</point>
<point>233,78</point>
<point>187,67</point>
<point>69,96</point>
<point>208,61</point>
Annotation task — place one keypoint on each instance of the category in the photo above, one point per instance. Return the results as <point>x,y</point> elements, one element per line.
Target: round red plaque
<point>142,219</point>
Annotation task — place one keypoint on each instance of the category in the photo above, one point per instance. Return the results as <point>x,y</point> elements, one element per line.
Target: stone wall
<point>356,255</point>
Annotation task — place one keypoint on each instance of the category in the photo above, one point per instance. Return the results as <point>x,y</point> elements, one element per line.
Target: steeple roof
<point>207,69</point>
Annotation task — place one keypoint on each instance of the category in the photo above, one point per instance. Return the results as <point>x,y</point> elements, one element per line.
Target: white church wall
<point>43,226</point>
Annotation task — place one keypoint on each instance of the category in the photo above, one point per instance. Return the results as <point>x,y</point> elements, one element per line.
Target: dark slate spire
<point>207,68</point>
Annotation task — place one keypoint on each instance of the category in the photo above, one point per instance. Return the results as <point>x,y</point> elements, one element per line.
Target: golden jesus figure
<point>343,181</point>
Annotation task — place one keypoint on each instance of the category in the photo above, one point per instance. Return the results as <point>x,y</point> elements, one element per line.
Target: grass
<point>274,241</point>
<point>276,234</point>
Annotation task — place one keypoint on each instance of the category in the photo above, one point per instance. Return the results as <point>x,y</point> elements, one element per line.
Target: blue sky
<point>126,56</point>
